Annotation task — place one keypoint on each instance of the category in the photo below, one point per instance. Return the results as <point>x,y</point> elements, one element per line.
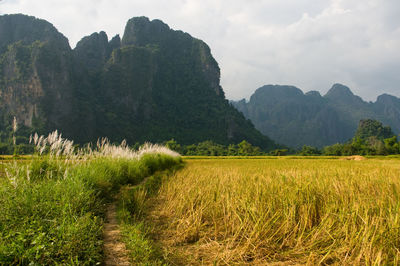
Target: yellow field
<point>284,211</point>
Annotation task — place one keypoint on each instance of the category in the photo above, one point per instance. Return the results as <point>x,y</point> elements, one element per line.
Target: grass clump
<point>52,207</point>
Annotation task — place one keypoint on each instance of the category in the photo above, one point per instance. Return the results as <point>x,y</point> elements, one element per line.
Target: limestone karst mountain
<point>291,117</point>
<point>154,84</point>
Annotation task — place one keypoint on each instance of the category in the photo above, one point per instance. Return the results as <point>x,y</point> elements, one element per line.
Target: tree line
<point>371,138</point>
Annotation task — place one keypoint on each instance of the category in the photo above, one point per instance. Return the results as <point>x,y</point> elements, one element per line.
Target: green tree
<point>173,145</point>
<point>246,149</point>
<point>309,150</point>
<point>392,145</point>
<point>333,150</point>
<point>232,150</point>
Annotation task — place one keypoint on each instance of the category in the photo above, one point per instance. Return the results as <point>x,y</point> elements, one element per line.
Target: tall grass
<point>52,207</point>
<point>286,211</point>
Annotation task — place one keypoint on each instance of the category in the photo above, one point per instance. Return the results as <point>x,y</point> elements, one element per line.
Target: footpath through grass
<point>262,211</point>
<point>52,207</point>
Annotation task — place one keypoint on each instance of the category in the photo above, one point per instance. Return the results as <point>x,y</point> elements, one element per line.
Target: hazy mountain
<point>293,118</point>
<point>154,84</point>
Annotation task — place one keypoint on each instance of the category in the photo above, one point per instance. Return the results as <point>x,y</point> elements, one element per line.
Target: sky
<point>311,44</point>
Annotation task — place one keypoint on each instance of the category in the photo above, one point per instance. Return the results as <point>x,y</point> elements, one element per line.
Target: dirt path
<point>114,249</point>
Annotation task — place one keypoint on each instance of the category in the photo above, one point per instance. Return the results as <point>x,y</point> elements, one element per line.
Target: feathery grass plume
<point>12,172</point>
<point>56,146</point>
<point>156,148</point>
<point>14,128</point>
<point>105,149</point>
<point>15,124</point>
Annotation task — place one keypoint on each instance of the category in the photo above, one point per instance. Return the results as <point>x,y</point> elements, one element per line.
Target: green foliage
<point>205,148</point>
<point>173,145</point>
<point>4,149</point>
<point>371,138</point>
<point>278,152</point>
<point>210,148</point>
<point>309,150</point>
<point>45,169</point>
<point>24,149</point>
<point>392,145</point>
<point>245,149</point>
<point>52,209</point>
<point>372,128</point>
<point>334,150</point>
<point>7,149</point>
<point>49,222</point>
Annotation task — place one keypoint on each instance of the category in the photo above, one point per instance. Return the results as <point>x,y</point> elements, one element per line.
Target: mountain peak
<point>271,92</point>
<point>387,99</point>
<point>141,31</point>
<point>28,29</point>
<point>342,94</point>
<point>314,94</point>
<point>338,91</point>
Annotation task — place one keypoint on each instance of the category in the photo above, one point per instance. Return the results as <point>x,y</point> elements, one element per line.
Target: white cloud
<point>309,44</point>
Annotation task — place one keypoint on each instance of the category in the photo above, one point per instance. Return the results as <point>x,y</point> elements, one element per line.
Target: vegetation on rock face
<point>153,85</point>
<point>35,75</point>
<point>295,119</point>
<point>373,129</point>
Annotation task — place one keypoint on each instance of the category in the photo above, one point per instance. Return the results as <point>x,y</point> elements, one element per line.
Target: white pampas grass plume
<point>15,125</point>
<point>14,128</point>
<point>57,146</point>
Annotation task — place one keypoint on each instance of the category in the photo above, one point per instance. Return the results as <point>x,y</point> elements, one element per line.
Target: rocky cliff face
<point>288,116</point>
<point>387,108</point>
<point>153,85</point>
<point>35,78</point>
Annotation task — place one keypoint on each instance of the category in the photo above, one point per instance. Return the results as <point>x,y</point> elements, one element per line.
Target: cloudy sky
<point>307,43</point>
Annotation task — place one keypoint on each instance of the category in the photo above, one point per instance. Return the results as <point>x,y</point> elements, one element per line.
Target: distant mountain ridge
<point>294,118</point>
<point>154,84</point>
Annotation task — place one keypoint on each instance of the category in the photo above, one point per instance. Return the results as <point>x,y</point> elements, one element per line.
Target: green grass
<point>49,221</point>
<point>52,209</point>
